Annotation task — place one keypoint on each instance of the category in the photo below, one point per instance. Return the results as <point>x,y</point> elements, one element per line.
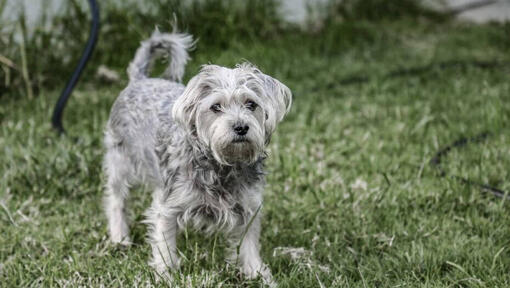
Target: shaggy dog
<point>201,147</point>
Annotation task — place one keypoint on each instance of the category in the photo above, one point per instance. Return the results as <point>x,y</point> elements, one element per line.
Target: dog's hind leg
<point>118,170</point>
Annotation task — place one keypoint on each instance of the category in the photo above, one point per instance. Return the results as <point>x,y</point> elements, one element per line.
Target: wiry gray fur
<point>204,174</point>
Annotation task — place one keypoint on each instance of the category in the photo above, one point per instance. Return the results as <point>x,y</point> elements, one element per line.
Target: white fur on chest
<point>210,207</point>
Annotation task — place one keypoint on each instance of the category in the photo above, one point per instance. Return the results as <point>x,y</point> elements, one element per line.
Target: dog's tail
<point>174,45</point>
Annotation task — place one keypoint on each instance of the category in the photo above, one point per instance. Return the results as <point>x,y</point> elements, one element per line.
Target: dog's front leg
<point>245,251</point>
<point>163,234</point>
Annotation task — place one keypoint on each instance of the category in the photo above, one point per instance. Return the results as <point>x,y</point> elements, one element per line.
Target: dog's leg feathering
<point>117,189</point>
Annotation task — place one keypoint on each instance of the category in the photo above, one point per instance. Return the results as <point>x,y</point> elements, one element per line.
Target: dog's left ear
<point>276,97</point>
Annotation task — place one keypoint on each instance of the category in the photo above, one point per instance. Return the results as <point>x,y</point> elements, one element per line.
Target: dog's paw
<point>164,276</point>
<point>124,241</point>
<point>255,270</point>
<point>163,269</point>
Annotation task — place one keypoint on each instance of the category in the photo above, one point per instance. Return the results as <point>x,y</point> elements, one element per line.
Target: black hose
<point>438,159</point>
<point>91,43</point>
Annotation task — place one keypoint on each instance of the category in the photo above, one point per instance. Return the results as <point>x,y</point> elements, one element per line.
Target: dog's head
<point>232,111</point>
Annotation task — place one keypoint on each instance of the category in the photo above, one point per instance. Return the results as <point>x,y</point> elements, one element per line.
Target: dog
<point>200,147</point>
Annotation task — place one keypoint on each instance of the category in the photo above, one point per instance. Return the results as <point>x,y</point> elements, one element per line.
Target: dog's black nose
<point>241,130</point>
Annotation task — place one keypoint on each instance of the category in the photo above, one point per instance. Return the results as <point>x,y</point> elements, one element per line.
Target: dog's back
<point>131,130</point>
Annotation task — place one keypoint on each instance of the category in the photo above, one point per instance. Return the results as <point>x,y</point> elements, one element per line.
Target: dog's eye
<point>216,108</point>
<point>251,105</point>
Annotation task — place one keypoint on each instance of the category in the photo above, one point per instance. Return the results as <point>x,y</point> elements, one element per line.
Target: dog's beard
<point>229,149</point>
<point>236,152</point>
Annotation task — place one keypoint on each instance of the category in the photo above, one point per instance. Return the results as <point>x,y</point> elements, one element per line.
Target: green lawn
<point>349,177</point>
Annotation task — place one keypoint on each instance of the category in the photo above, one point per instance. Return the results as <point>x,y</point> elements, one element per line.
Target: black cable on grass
<point>89,48</point>
<point>441,154</point>
<point>418,70</point>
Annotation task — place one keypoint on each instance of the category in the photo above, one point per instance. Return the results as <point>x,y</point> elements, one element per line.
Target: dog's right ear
<point>275,96</point>
<point>185,107</point>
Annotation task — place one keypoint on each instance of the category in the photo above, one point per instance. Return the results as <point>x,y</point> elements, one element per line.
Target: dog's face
<point>232,111</point>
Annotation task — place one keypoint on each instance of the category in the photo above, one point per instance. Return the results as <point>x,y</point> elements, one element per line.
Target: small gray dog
<point>201,147</point>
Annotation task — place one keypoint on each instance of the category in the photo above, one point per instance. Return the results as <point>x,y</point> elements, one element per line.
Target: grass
<point>349,177</point>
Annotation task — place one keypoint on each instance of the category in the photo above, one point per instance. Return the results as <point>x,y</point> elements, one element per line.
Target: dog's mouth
<point>240,149</point>
<point>240,140</point>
